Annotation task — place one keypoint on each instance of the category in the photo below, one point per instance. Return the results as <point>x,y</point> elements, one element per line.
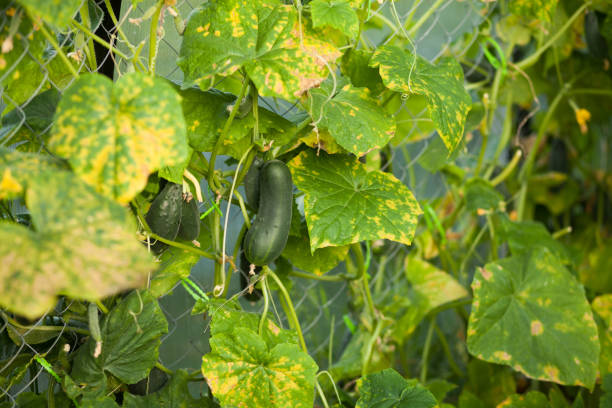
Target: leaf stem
<point>533,58</point>
<point>15,323</point>
<point>447,352</point>
<point>292,316</point>
<point>426,348</point>
<point>370,347</point>
<point>356,248</point>
<point>228,124</point>
<point>91,52</point>
<point>264,313</point>
<point>99,40</point>
<point>508,169</point>
<point>163,368</point>
<point>116,25</point>
<point>153,37</point>
<point>59,50</point>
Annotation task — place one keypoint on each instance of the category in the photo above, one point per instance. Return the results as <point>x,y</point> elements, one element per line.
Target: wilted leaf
<point>388,389</point>
<point>356,121</point>
<point>343,203</point>
<point>530,313</point>
<point>82,245</point>
<point>261,36</point>
<point>448,101</point>
<point>115,134</point>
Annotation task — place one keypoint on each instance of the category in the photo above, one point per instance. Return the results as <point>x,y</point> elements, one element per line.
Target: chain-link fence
<point>446,28</point>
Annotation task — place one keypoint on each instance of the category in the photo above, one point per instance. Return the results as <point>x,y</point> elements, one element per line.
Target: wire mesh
<point>449,30</point>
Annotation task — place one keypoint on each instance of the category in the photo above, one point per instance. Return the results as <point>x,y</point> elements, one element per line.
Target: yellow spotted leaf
<point>354,119</point>
<point>344,203</point>
<point>81,244</point>
<point>115,135</point>
<point>56,12</point>
<point>261,36</point>
<point>602,305</point>
<point>531,314</point>
<point>447,100</point>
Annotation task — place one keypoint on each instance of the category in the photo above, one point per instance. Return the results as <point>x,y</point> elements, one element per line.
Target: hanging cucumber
<point>190,219</point>
<point>596,43</point>
<point>267,237</point>
<point>164,216</point>
<point>251,183</point>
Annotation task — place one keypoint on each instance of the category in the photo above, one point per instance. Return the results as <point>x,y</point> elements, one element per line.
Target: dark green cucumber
<point>164,215</point>
<point>245,267</point>
<point>251,183</point>
<point>596,43</point>
<point>190,219</point>
<point>267,237</point>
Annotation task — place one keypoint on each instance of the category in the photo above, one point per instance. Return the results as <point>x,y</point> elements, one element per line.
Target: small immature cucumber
<point>267,237</point>
<point>164,216</point>
<point>190,219</point>
<point>251,183</point>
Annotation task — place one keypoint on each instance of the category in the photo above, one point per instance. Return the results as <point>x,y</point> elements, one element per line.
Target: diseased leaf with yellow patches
<point>337,14</point>
<point>530,313</point>
<point>409,300</point>
<point>541,9</point>
<point>447,100</point>
<point>82,245</point>
<point>244,369</point>
<point>344,203</point>
<point>602,305</point>
<point>356,121</point>
<point>56,12</point>
<point>261,36</point>
<point>114,135</point>
<point>17,169</point>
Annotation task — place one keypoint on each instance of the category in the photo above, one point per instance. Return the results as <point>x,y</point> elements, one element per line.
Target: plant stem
<point>356,248</point>
<point>533,58</point>
<point>528,167</point>
<point>325,278</point>
<point>91,52</point>
<point>423,19</point>
<point>425,357</point>
<point>99,40</point>
<point>493,238</point>
<point>370,347</point>
<point>588,91</point>
<point>292,316</point>
<point>163,368</point>
<point>447,352</point>
<point>116,24</point>
<point>58,49</point>
<point>153,37</point>
<point>228,124</point>
<point>264,314</point>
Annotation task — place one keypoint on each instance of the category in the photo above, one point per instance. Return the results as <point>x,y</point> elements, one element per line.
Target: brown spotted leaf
<point>115,135</point>
<point>244,369</point>
<point>356,121</point>
<point>82,245</point>
<point>530,313</point>
<point>447,100</point>
<point>261,36</point>
<point>344,203</point>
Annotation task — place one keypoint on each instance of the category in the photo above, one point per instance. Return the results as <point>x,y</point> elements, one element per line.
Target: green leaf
<point>409,300</point>
<point>175,394</point>
<point>176,265</point>
<point>83,245</point>
<point>595,272</point>
<point>115,134</point>
<point>447,100</point>
<point>388,389</point>
<point>602,306</point>
<point>356,121</point>
<point>261,36</point>
<point>206,114</point>
<point>480,195</point>
<point>337,14</point>
<point>541,9</point>
<point>131,335</point>
<point>488,384</point>
<point>318,262</point>
<point>343,203</point>
<point>530,313</point>
<point>533,399</point>
<point>523,236</point>
<point>249,370</point>
<point>56,12</point>
<point>355,66</point>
